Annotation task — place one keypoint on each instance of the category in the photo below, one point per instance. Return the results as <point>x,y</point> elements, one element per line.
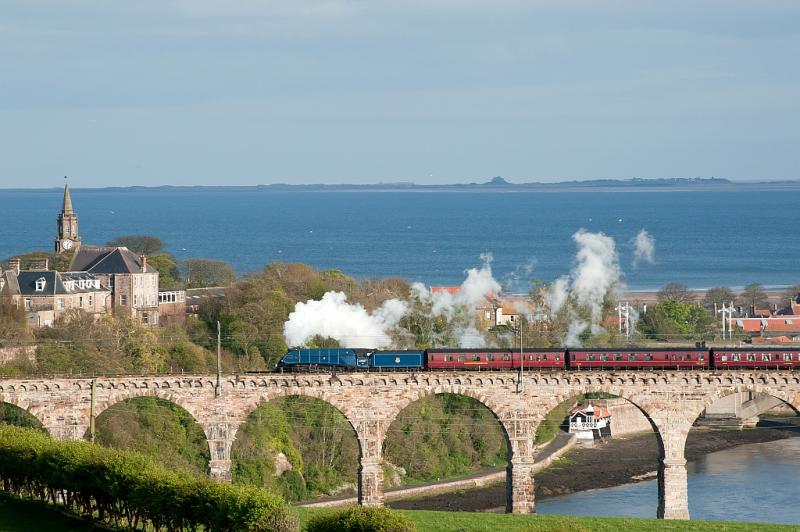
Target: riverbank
<point>617,462</point>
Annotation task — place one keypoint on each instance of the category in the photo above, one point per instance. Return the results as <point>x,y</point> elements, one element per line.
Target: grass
<point>427,521</point>
<point>23,516</point>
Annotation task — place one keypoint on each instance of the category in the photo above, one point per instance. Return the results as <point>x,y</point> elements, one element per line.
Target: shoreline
<point>617,462</point>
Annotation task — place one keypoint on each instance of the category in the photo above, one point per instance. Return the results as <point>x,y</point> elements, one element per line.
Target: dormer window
<point>40,284</point>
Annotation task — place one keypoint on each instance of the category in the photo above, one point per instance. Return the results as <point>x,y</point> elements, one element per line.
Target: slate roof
<point>109,260</point>
<point>52,283</point>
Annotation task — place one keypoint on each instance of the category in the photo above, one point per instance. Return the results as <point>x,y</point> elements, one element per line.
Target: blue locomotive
<point>351,359</point>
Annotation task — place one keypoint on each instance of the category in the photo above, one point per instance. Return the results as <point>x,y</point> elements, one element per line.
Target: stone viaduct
<point>371,401</point>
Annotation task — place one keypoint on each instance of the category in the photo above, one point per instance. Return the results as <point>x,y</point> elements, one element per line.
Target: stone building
<point>133,284</point>
<point>47,295</point>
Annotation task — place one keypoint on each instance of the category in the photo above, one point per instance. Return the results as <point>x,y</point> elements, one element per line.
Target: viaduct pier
<point>671,401</point>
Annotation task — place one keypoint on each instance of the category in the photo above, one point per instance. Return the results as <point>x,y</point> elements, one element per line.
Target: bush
<point>127,489</point>
<point>361,519</point>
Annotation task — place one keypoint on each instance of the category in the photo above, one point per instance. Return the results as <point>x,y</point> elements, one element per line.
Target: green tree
<point>674,320</point>
<point>141,244</point>
<point>793,293</point>
<point>201,273</point>
<point>169,276</point>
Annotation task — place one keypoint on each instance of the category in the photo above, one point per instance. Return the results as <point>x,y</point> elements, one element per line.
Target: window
<point>448,358</point>
<point>751,357</point>
<point>488,315</point>
<point>648,357</point>
<point>476,358</point>
<point>462,358</point>
<point>688,357</point>
<point>506,358</point>
<point>90,301</point>
<point>618,357</point>
<point>144,317</point>
<point>701,357</point>
<point>80,301</point>
<point>766,357</point>
<point>27,303</point>
<point>123,299</point>
<point>60,303</point>
<point>735,357</point>
<point>590,356</point>
<point>490,357</point>
<point>544,357</point>
<point>724,358</point>
<point>40,284</point>
<point>787,356</point>
<point>604,357</point>
<point>632,357</point>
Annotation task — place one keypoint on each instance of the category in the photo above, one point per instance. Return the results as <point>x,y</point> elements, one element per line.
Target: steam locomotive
<point>631,358</point>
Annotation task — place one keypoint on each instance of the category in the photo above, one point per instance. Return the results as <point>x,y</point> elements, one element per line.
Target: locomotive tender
<point>584,358</point>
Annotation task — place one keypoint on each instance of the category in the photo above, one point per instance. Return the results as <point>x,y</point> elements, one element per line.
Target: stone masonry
<point>371,401</point>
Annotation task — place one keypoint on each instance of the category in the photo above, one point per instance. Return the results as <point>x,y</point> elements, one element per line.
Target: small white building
<point>590,422</point>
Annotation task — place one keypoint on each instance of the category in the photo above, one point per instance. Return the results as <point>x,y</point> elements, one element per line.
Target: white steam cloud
<point>350,324</point>
<point>473,291</point>
<point>596,272</point>
<point>644,248</point>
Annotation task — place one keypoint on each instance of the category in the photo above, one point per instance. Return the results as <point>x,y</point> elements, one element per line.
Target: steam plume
<point>350,324</point>
<point>644,248</point>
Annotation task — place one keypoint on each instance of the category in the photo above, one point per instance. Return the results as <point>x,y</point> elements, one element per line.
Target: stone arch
<point>249,406</point>
<point>504,419</point>
<point>106,401</point>
<point>25,406</point>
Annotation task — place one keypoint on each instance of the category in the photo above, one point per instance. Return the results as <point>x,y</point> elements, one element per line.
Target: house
<point>133,284</point>
<point>47,295</point>
<point>590,422</point>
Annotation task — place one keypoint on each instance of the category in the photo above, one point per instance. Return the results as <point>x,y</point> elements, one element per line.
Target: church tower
<point>67,238</point>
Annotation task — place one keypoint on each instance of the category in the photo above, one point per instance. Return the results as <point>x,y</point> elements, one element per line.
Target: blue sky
<point>431,91</point>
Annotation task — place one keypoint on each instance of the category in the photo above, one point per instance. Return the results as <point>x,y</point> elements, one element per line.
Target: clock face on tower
<point>66,243</point>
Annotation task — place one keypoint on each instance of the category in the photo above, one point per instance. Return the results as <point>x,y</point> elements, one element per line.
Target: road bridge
<point>671,401</point>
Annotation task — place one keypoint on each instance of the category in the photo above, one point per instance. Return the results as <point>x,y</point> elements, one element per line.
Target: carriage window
<point>506,357</point>
<point>558,357</point>
<point>724,358</point>
<point>632,357</point>
<point>544,357</point>
<point>476,358</point>
<point>590,356</point>
<point>572,356</point>
<point>490,357</point>
<point>701,357</point>
<point>766,357</point>
<point>787,356</point>
<point>604,357</point>
<point>688,357</point>
<point>735,357</point>
<point>448,358</point>
<point>648,356</point>
<point>751,357</point>
<point>618,356</point>
<point>462,358</point>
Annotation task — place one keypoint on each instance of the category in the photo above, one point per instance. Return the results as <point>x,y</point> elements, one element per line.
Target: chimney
<point>38,264</point>
<point>14,264</point>
<point>144,263</point>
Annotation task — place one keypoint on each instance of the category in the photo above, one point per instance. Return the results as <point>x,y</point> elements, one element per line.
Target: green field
<point>486,522</point>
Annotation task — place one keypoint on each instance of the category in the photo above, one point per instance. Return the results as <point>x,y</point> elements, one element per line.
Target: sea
<point>702,238</point>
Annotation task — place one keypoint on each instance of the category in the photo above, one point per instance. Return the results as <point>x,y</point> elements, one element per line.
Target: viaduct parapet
<point>371,401</point>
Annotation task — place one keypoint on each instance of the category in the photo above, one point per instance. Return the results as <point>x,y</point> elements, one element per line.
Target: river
<point>754,482</point>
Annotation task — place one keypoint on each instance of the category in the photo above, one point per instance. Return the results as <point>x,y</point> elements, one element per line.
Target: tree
<point>670,320</point>
<point>675,292</point>
<point>202,273</point>
<point>754,296</point>
<point>169,277</point>
<point>718,296</point>
<point>793,293</point>
<point>141,244</point>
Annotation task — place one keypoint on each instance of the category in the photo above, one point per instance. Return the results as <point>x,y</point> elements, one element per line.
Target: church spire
<point>67,206</point>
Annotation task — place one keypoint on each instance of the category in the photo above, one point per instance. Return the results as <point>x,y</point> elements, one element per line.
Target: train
<point>537,359</point>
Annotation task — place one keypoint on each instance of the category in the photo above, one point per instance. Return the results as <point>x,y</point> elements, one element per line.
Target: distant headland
<point>495,184</point>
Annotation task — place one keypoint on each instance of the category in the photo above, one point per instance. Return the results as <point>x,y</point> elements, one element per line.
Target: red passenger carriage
<point>656,358</point>
<point>495,359</point>
<point>756,358</point>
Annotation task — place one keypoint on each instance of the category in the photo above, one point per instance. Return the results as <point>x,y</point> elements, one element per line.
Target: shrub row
<point>127,489</point>
<point>360,519</point>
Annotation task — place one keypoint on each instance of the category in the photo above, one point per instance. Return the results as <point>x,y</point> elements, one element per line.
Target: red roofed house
<point>590,422</point>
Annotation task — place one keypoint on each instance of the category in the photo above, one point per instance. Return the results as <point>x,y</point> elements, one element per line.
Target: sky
<point>243,92</point>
